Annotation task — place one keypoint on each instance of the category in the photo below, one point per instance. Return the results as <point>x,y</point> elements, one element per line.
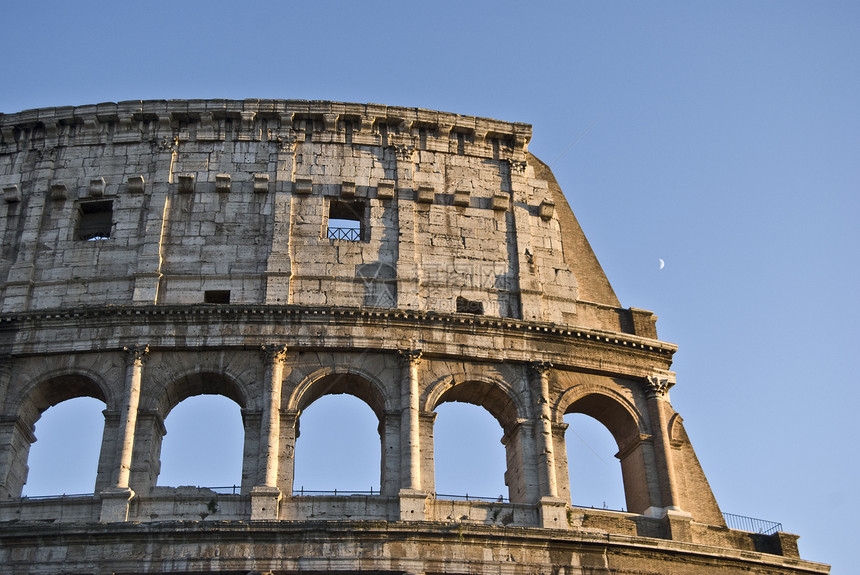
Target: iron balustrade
<point>61,496</point>
<point>302,491</point>
<point>751,524</point>
<point>348,234</point>
<point>469,497</point>
<point>226,490</point>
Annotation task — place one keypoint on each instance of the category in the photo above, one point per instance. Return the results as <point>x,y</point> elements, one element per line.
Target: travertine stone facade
<point>277,251</point>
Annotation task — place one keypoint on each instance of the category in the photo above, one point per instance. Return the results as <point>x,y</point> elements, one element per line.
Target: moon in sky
<point>662,264</point>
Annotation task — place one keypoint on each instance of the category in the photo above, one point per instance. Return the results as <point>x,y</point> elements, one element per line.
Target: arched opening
<point>338,447</point>
<point>340,418</point>
<point>474,466</point>
<point>18,435</point>
<point>595,472</point>
<point>607,413</point>
<point>201,426</point>
<point>491,401</point>
<point>65,457</point>
<point>204,443</point>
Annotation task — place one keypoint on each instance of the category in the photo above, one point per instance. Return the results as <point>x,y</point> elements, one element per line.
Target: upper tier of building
<point>283,202</point>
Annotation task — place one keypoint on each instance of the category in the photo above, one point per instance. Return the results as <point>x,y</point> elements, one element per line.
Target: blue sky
<point>722,137</point>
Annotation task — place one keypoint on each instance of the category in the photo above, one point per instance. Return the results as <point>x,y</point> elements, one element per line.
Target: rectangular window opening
<point>468,306</point>
<point>216,296</point>
<point>346,221</point>
<point>95,221</point>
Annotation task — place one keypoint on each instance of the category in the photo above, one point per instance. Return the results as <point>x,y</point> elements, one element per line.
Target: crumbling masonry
<point>278,251</point>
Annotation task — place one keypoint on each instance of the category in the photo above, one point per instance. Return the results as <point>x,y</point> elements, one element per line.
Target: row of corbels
<point>186,184</point>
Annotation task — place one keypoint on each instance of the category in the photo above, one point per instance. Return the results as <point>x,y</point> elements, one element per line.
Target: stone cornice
<point>150,120</point>
<point>487,338</point>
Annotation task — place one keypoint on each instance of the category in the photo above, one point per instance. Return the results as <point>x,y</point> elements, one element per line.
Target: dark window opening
<point>346,221</point>
<point>422,138</point>
<point>461,143</point>
<point>216,296</point>
<point>95,221</point>
<point>468,306</point>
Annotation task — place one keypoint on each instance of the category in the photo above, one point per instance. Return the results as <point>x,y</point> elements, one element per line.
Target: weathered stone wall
<point>274,252</point>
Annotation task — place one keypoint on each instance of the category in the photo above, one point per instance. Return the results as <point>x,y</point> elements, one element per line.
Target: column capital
<point>274,352</point>
<point>135,354</point>
<point>411,356</point>
<point>541,368</point>
<point>658,385</point>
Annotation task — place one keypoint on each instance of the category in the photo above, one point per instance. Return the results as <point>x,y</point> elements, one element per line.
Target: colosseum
<point>275,252</point>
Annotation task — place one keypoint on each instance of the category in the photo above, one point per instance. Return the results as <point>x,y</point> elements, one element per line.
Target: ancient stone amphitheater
<point>278,251</point>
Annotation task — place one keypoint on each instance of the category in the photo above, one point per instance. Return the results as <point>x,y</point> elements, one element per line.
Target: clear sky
<point>722,137</point>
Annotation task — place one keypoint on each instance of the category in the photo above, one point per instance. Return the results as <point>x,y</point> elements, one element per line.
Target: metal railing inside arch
<point>301,492</point>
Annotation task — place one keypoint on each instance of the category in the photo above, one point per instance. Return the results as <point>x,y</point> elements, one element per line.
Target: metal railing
<point>603,508</point>
<point>468,497</point>
<point>751,524</point>
<point>302,491</point>
<point>226,490</point>
<point>62,496</point>
<point>348,234</point>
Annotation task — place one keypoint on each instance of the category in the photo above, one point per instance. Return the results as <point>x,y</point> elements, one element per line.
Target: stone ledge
<point>286,544</point>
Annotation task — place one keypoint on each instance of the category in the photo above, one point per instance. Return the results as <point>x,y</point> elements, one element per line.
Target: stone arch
<point>628,427</point>
<point>333,380</point>
<point>493,394</point>
<point>198,383</point>
<point>156,405</point>
<point>614,410</point>
<point>36,397</point>
<point>502,401</point>
<point>329,380</point>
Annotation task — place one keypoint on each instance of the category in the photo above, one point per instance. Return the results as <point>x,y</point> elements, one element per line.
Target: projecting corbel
<point>97,187</point>
<point>546,209</point>
<point>135,184</point>
<point>223,183</point>
<point>186,183</point>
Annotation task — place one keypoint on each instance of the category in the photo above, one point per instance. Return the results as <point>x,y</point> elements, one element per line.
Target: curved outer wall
<point>277,251</point>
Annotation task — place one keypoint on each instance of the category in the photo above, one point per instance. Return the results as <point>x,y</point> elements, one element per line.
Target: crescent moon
<point>662,264</point>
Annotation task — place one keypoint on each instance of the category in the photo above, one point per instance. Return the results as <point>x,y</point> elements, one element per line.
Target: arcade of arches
<point>140,387</point>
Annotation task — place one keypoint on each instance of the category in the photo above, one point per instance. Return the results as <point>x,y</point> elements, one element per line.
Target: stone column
<point>412,498</point>
<point>546,451</point>
<point>115,499</point>
<point>410,470</point>
<point>552,509</point>
<point>266,495</point>
<point>678,522</point>
<point>656,390</point>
